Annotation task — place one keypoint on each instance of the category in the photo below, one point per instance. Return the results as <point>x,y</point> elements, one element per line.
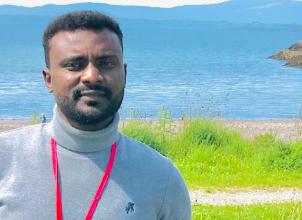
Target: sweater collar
<point>83,141</point>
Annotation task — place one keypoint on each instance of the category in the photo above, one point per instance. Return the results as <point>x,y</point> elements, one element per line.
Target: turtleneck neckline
<point>74,139</point>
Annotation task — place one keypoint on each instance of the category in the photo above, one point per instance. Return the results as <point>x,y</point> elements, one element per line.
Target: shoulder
<point>19,131</point>
<point>134,150</point>
<point>16,145</point>
<point>12,138</point>
<point>139,152</point>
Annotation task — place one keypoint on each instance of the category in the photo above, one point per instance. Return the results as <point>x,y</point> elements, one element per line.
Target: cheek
<point>116,79</point>
<point>116,84</point>
<point>63,83</point>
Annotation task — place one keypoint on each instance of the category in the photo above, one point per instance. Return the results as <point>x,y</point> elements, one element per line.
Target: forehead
<point>84,41</point>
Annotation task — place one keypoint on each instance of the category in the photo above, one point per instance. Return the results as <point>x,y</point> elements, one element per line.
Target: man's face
<point>87,75</point>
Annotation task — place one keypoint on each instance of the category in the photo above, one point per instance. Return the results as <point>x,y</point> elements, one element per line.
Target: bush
<point>279,155</point>
<point>207,132</point>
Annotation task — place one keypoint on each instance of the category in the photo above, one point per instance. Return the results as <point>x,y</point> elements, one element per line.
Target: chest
<point>27,191</point>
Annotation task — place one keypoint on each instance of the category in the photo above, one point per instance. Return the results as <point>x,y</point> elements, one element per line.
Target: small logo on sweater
<point>129,208</point>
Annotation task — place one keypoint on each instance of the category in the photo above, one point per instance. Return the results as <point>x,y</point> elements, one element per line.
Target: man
<point>43,119</point>
<point>79,166</point>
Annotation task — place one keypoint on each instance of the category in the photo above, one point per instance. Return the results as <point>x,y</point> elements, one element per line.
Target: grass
<point>287,211</point>
<point>210,156</point>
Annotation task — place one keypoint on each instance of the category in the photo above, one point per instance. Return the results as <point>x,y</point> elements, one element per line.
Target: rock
<point>292,55</point>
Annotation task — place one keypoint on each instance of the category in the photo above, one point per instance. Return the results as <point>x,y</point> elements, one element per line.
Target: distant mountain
<point>264,11</point>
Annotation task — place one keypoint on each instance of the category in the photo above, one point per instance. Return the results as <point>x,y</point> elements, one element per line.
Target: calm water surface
<point>208,68</point>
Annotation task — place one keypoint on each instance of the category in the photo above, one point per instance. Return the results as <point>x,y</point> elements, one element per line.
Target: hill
<point>264,11</point>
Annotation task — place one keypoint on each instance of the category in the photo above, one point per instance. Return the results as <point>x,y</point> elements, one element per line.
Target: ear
<point>125,69</point>
<point>47,79</point>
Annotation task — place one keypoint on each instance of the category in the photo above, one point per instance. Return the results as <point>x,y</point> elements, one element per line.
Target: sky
<point>154,3</point>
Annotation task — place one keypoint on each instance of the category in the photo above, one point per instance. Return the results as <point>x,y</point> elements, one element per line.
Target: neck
<point>86,127</point>
<point>72,138</point>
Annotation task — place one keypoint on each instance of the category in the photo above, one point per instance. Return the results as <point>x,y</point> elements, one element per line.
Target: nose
<point>91,74</point>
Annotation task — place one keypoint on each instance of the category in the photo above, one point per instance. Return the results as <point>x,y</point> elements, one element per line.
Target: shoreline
<point>285,129</point>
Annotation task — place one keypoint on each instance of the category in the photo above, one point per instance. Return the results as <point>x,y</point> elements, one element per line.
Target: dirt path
<point>245,197</point>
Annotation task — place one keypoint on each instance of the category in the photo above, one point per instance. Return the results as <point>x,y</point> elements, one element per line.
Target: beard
<point>93,111</point>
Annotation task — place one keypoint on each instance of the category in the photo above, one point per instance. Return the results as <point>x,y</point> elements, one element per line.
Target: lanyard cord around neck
<point>101,187</point>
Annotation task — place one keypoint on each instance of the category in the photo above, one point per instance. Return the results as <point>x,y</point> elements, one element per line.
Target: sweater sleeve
<point>176,203</point>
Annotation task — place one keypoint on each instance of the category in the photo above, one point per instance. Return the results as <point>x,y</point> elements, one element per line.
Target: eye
<point>75,65</point>
<point>107,63</point>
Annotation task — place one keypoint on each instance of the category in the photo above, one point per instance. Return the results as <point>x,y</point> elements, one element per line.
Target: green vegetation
<point>210,156</point>
<point>34,118</point>
<point>288,211</point>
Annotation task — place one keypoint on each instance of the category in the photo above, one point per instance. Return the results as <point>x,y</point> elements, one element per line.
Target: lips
<point>93,93</point>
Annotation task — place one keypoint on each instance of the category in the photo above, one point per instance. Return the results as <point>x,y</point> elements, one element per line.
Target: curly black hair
<point>89,20</point>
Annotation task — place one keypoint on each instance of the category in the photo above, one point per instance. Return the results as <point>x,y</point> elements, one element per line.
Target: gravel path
<point>286,129</point>
<point>245,197</point>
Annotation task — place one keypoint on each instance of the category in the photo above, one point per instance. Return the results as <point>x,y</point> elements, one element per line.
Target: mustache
<point>77,92</point>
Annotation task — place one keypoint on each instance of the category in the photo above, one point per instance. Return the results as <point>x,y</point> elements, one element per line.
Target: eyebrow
<point>106,55</point>
<point>66,60</point>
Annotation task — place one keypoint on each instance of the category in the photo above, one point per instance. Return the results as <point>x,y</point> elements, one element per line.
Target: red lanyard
<point>101,187</point>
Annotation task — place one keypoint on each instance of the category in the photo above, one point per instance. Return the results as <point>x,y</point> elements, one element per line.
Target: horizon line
<point>62,3</point>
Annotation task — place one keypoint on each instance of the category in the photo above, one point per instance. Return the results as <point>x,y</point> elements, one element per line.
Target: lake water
<point>212,69</point>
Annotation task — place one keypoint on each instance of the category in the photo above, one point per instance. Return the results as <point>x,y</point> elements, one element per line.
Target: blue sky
<point>155,3</point>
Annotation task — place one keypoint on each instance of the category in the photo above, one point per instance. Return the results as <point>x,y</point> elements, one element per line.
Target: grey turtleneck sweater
<point>143,184</point>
